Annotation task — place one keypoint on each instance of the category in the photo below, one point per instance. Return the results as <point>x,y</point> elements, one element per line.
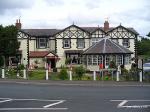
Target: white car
<point>146,67</point>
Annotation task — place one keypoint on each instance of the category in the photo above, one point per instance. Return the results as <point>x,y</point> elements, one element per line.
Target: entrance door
<point>51,62</point>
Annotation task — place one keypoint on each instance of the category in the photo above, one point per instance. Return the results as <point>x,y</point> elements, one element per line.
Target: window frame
<point>80,41</point>
<point>126,43</point>
<point>68,42</point>
<point>39,42</point>
<point>127,59</point>
<point>119,60</point>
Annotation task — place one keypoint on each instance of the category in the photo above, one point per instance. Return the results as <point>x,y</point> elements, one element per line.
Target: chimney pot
<point>106,26</point>
<point>18,24</point>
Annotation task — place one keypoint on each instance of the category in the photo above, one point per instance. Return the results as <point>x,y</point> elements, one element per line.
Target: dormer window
<point>126,43</point>
<point>66,43</point>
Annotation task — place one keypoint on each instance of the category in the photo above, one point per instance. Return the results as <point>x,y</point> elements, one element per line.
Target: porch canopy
<point>43,54</point>
<point>105,51</point>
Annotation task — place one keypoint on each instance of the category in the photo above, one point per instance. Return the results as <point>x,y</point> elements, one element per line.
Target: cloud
<point>54,2</point>
<point>62,13</point>
<point>14,5</point>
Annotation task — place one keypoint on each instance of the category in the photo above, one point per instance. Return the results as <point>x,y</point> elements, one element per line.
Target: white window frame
<point>119,60</point>
<point>66,43</point>
<point>80,43</point>
<point>127,59</point>
<point>89,59</point>
<point>126,43</point>
<point>44,42</point>
<point>95,59</point>
<point>100,59</point>
<point>107,60</point>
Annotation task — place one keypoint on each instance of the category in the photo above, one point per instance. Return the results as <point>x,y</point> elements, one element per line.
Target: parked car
<point>146,67</point>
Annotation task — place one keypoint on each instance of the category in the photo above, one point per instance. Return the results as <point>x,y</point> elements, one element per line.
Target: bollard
<point>46,74</point>
<point>141,76</point>
<point>24,74</point>
<point>117,75</point>
<point>3,73</point>
<point>94,75</point>
<point>70,75</point>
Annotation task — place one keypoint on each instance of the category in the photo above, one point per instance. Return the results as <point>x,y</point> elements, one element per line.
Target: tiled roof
<point>74,51</point>
<point>38,54</point>
<point>107,46</point>
<point>40,32</point>
<point>51,32</point>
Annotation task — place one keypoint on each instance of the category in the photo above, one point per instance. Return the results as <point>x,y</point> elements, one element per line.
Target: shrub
<point>68,61</point>
<point>112,64</point>
<point>21,67</point>
<point>63,74</point>
<point>54,69</point>
<point>79,71</point>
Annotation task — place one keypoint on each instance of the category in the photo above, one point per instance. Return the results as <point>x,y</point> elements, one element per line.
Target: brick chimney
<point>18,24</point>
<point>106,26</point>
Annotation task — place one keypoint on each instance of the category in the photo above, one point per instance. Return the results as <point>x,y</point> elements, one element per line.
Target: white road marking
<point>5,100</point>
<point>42,100</point>
<point>33,109</point>
<point>130,100</point>
<point>123,102</point>
<point>49,105</point>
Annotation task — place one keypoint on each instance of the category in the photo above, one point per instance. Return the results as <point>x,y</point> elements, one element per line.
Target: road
<point>24,97</point>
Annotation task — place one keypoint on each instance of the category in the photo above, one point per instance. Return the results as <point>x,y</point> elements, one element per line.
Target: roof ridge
<point>104,47</point>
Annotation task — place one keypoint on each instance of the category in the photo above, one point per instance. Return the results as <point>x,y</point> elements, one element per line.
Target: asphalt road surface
<point>73,98</point>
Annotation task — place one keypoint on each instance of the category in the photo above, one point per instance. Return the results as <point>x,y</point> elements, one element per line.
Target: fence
<point>113,75</point>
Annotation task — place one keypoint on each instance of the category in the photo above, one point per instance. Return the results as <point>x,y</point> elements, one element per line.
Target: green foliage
<point>63,74</point>
<point>148,34</point>
<point>143,47</point>
<point>8,41</point>
<point>1,61</point>
<point>54,76</point>
<point>125,73</point>
<point>68,61</point>
<point>112,64</point>
<point>21,67</point>
<point>37,75</point>
<point>79,71</point>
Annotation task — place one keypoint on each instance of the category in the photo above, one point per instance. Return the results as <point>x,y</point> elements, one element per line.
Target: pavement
<point>73,96</point>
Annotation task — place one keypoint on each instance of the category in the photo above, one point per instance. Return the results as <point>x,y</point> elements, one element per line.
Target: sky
<point>58,14</point>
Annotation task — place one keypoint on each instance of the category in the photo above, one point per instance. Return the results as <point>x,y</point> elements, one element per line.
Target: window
<point>100,59</point>
<point>66,43</point>
<point>41,43</point>
<point>126,43</point>
<point>89,59</point>
<point>127,59</point>
<point>107,60</point>
<point>94,40</point>
<point>80,43</point>
<point>119,60</point>
<point>95,60</point>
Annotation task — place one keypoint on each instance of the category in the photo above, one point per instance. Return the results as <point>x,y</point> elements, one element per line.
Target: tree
<point>148,34</point>
<point>8,42</point>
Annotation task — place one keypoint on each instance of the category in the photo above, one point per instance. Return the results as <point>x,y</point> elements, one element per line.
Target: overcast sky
<point>62,13</point>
